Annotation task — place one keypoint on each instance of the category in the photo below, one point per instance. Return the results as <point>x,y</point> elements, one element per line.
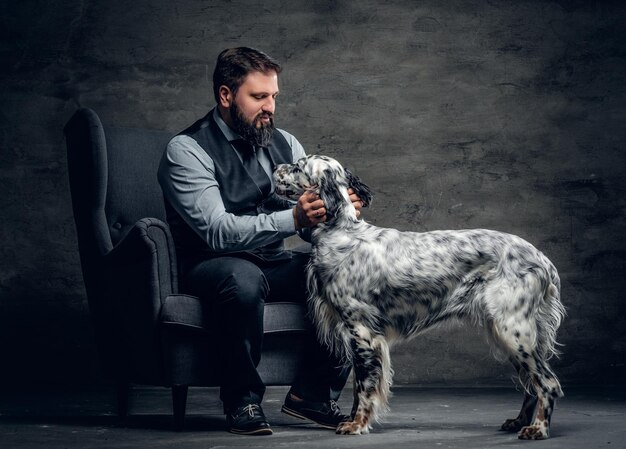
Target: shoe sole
<point>287,411</point>
<point>252,432</point>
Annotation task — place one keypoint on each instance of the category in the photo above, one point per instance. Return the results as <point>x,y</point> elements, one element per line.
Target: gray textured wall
<point>497,114</point>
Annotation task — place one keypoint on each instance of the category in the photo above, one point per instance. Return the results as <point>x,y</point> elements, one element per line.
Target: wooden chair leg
<point>123,393</point>
<point>179,402</point>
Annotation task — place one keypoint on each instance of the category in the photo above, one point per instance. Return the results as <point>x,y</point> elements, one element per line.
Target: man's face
<point>252,108</point>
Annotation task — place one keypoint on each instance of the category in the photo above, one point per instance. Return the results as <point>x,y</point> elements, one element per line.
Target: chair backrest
<point>133,190</point>
<point>113,183</point>
<point>113,179</point>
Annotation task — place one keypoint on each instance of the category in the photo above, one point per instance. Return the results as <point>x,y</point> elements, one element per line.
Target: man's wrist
<point>295,219</point>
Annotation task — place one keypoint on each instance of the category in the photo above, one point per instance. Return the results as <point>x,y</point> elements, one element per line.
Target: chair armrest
<point>140,273</point>
<point>149,247</point>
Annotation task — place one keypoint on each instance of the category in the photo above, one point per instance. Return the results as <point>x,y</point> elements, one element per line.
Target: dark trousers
<point>237,290</point>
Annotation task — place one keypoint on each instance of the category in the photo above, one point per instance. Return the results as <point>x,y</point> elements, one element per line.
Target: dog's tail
<point>552,312</point>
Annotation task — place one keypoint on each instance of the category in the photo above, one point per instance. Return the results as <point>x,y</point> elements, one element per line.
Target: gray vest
<point>240,194</point>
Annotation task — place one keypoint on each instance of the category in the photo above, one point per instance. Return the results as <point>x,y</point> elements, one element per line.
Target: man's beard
<point>259,137</point>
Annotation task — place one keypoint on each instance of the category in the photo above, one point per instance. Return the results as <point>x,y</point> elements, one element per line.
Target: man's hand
<point>356,202</point>
<point>310,211</point>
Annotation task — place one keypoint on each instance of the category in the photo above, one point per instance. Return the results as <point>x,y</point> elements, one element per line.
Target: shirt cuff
<point>284,221</point>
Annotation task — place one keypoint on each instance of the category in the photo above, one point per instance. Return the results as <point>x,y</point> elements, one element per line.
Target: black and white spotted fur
<point>369,286</point>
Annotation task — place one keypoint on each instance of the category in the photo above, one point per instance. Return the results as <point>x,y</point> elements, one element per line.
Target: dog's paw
<point>533,433</point>
<point>351,428</point>
<point>512,425</point>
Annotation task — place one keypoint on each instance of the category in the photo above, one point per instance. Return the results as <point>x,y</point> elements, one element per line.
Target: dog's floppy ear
<point>330,193</point>
<point>361,190</point>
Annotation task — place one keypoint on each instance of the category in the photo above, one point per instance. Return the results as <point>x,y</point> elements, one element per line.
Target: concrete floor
<point>419,418</point>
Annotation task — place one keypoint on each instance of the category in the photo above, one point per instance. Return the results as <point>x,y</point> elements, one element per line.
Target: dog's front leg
<point>361,407</point>
<point>370,357</point>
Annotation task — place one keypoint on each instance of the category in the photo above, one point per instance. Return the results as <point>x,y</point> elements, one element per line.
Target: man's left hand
<point>356,202</point>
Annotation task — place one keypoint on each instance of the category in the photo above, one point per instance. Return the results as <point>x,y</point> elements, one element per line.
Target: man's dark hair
<point>233,64</point>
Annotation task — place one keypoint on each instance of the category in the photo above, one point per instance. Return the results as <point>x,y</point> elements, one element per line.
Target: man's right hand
<point>309,211</point>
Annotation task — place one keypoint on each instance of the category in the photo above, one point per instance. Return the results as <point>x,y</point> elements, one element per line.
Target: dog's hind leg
<point>520,343</point>
<point>372,379</point>
<point>526,313</point>
<point>548,390</point>
<point>525,415</point>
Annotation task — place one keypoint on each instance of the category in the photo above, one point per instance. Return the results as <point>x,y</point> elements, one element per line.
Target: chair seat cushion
<point>190,313</point>
<point>183,311</point>
<point>285,317</point>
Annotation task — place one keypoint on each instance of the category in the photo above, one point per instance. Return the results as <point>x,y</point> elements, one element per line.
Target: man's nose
<point>269,105</point>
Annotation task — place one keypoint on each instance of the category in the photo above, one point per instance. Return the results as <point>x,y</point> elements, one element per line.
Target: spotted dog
<point>370,286</point>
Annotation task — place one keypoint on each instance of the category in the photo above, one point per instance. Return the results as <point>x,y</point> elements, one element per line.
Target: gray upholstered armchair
<point>146,331</point>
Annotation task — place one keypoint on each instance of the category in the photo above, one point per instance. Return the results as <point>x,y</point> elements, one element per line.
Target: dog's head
<point>324,176</point>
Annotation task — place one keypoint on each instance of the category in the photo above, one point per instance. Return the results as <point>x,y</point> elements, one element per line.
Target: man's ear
<point>360,189</point>
<point>225,95</point>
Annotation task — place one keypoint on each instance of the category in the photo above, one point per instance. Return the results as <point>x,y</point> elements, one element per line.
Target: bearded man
<point>229,225</point>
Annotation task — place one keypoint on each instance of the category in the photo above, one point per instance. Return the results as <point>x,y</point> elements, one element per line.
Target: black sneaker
<point>248,420</point>
<point>325,414</point>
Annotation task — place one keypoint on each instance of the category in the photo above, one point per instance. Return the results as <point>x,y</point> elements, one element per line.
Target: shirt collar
<point>226,130</point>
